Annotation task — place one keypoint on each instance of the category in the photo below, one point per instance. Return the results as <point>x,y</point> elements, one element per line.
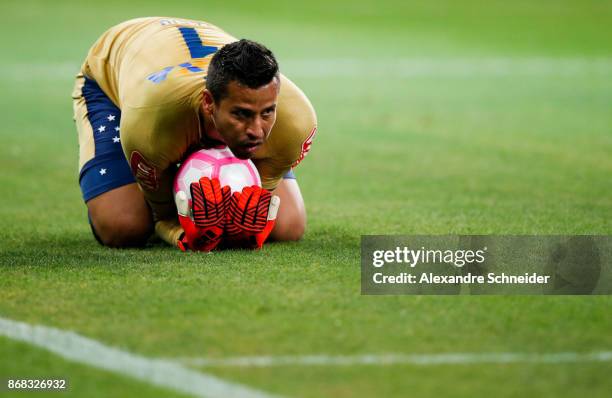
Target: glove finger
<point>231,227</point>
<point>216,185</point>
<point>238,207</point>
<point>247,204</point>
<point>253,207</point>
<point>212,190</point>
<point>273,209</point>
<point>212,198</point>
<point>234,209</point>
<point>226,194</point>
<point>240,203</point>
<point>245,199</point>
<point>244,196</point>
<point>263,205</point>
<point>198,204</point>
<point>264,202</point>
<point>182,203</point>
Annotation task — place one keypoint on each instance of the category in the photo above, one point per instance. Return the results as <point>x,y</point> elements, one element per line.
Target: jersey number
<point>196,49</point>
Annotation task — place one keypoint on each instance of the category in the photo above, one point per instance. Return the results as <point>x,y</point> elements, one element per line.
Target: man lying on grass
<point>153,90</point>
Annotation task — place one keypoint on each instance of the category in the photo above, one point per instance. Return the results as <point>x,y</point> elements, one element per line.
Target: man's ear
<point>208,102</point>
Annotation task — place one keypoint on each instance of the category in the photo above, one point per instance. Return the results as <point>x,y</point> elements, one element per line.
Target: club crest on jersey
<point>305,147</point>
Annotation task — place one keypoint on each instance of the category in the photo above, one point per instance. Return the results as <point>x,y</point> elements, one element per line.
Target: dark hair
<point>247,62</point>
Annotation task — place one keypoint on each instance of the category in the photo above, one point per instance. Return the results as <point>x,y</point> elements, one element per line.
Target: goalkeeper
<point>153,90</point>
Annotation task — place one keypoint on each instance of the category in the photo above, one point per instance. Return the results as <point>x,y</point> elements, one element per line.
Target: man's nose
<point>256,131</point>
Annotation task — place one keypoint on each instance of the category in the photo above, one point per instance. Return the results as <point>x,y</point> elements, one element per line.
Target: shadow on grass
<point>76,249</point>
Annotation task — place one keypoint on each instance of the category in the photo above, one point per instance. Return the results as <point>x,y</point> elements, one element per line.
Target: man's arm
<point>169,230</point>
<point>291,138</point>
<point>154,140</point>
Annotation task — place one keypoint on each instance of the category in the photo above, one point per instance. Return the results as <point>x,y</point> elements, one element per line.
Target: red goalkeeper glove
<point>209,203</point>
<point>251,216</point>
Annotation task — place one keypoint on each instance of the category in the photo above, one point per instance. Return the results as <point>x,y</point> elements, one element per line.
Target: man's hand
<point>209,202</point>
<point>251,216</point>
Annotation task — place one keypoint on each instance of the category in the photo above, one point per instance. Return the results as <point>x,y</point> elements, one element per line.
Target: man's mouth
<point>251,147</point>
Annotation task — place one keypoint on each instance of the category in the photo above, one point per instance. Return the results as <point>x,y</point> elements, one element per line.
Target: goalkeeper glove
<point>251,216</point>
<point>209,203</point>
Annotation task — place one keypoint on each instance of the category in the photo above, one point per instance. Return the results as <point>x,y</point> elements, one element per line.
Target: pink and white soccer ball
<point>216,163</point>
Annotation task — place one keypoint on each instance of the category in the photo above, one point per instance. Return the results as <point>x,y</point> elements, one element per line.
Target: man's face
<point>244,118</point>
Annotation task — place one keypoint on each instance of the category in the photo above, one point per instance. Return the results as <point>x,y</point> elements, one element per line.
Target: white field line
<point>400,359</point>
<point>401,67</point>
<point>90,352</point>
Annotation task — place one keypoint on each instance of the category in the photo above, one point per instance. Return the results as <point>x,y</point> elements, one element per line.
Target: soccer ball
<point>216,163</point>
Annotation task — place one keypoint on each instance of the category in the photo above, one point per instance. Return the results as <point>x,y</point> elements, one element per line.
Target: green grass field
<point>487,117</point>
